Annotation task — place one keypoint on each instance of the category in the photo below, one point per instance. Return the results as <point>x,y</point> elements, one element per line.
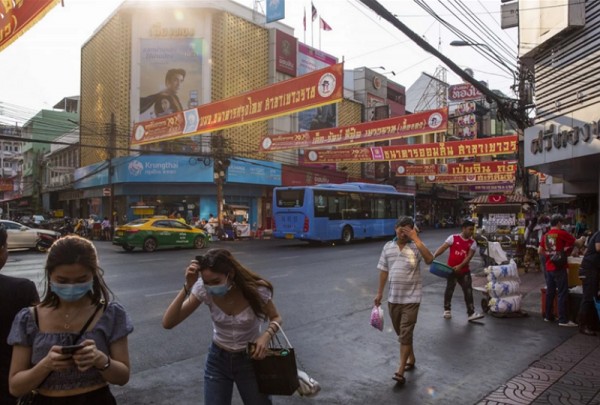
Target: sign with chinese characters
<point>392,128</point>
<point>478,147</point>
<point>314,89</point>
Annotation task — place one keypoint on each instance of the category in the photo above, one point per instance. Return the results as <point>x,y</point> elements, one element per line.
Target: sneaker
<point>474,316</point>
<point>447,315</point>
<point>569,324</point>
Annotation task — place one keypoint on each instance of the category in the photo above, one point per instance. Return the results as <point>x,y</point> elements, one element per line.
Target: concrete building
<point>562,56</point>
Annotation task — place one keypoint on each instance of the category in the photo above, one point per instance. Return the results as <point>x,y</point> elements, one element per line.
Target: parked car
<point>24,237</point>
<point>151,233</point>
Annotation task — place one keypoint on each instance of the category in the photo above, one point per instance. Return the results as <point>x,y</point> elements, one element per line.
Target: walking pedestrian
<point>15,294</point>
<point>589,272</point>
<point>553,241</point>
<point>462,248</point>
<point>399,263</point>
<point>239,301</point>
<point>74,343</point>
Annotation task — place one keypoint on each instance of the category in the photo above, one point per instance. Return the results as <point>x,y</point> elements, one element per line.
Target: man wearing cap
<point>557,276</point>
<point>462,248</point>
<point>400,264</point>
<point>15,294</point>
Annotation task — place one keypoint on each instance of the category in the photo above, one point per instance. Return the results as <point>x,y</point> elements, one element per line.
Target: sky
<point>43,65</point>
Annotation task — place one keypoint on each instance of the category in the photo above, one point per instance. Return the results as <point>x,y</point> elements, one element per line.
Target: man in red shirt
<point>557,240</point>
<point>462,248</point>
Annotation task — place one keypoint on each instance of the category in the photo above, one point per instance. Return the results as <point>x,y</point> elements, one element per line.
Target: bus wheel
<point>347,234</point>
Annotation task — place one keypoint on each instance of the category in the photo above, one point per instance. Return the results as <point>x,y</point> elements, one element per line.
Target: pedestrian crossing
<point>28,265</point>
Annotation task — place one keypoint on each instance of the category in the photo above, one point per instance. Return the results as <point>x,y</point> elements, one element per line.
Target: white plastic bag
<point>309,387</point>
<point>502,288</point>
<point>511,303</point>
<point>377,317</point>
<point>502,272</point>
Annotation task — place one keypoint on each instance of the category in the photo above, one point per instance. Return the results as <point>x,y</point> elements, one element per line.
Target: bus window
<point>290,198</point>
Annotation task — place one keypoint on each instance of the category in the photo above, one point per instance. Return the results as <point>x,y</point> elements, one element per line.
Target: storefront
<point>171,184</point>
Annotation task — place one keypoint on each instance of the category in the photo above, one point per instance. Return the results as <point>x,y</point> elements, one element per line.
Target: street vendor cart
<point>502,219</point>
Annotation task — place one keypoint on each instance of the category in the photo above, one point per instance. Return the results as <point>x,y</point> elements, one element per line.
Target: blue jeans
<point>557,280</point>
<point>224,368</point>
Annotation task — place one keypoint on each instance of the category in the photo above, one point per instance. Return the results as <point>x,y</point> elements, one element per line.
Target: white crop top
<point>232,332</point>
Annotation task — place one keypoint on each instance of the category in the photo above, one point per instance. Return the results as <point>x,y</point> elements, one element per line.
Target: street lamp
<point>490,52</point>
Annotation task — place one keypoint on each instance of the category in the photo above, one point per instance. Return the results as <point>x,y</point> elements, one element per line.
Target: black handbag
<point>559,259</point>
<point>277,373</point>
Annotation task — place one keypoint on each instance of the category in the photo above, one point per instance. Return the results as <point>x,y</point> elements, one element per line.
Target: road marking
<point>280,275</point>
<point>161,293</point>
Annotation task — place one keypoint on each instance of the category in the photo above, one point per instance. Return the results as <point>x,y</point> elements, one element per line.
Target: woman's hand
<point>191,274</point>
<point>261,347</point>
<point>55,360</point>
<point>89,356</point>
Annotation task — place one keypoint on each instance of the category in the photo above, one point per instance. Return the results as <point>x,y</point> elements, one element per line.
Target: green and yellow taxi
<point>153,233</point>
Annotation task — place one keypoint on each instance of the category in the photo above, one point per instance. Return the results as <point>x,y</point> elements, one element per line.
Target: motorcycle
<point>44,242</point>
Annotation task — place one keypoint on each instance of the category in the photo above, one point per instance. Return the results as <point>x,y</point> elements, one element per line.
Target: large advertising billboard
<point>309,60</point>
<point>170,76</point>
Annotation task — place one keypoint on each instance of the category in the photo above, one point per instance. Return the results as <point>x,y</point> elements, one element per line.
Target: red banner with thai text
<point>472,178</point>
<point>321,87</point>
<point>497,166</point>
<point>489,188</point>
<point>16,17</point>
<point>500,145</point>
<point>425,122</point>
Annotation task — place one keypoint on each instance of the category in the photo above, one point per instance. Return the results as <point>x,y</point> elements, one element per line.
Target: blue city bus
<point>329,212</point>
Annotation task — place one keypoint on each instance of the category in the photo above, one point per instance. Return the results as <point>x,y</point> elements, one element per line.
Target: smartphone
<point>199,258</point>
<point>70,349</point>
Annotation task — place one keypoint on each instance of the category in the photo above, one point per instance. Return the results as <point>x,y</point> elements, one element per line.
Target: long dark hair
<point>73,249</point>
<point>222,261</point>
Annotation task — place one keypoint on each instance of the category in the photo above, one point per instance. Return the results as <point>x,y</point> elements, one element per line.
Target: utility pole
<point>220,165</point>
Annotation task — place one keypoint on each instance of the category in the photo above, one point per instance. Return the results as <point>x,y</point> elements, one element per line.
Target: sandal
<point>409,366</point>
<point>400,380</point>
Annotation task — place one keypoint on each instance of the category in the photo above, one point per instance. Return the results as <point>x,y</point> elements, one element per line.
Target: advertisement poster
<point>309,60</point>
<point>170,76</point>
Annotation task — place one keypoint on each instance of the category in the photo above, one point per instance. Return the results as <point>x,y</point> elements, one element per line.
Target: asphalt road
<point>325,296</point>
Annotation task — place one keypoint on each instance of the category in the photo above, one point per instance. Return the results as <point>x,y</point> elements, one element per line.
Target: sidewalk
<point>568,374</point>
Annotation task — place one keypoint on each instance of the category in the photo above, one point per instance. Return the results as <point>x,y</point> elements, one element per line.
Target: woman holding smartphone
<point>74,343</point>
<point>239,302</point>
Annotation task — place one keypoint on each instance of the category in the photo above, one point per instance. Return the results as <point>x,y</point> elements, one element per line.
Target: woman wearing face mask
<point>75,310</point>
<point>239,302</point>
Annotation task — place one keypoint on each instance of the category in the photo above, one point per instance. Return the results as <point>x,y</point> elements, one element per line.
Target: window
<point>290,198</point>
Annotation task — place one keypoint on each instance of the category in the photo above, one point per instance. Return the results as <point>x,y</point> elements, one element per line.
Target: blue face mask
<point>218,290</point>
<point>71,292</point>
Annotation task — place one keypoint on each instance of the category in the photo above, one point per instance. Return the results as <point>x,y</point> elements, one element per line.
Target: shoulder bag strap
<point>87,324</point>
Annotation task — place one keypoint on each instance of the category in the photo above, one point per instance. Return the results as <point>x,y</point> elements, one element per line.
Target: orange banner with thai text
<point>324,86</point>
<point>16,17</point>
<point>421,123</point>
<point>500,145</point>
<point>498,166</point>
